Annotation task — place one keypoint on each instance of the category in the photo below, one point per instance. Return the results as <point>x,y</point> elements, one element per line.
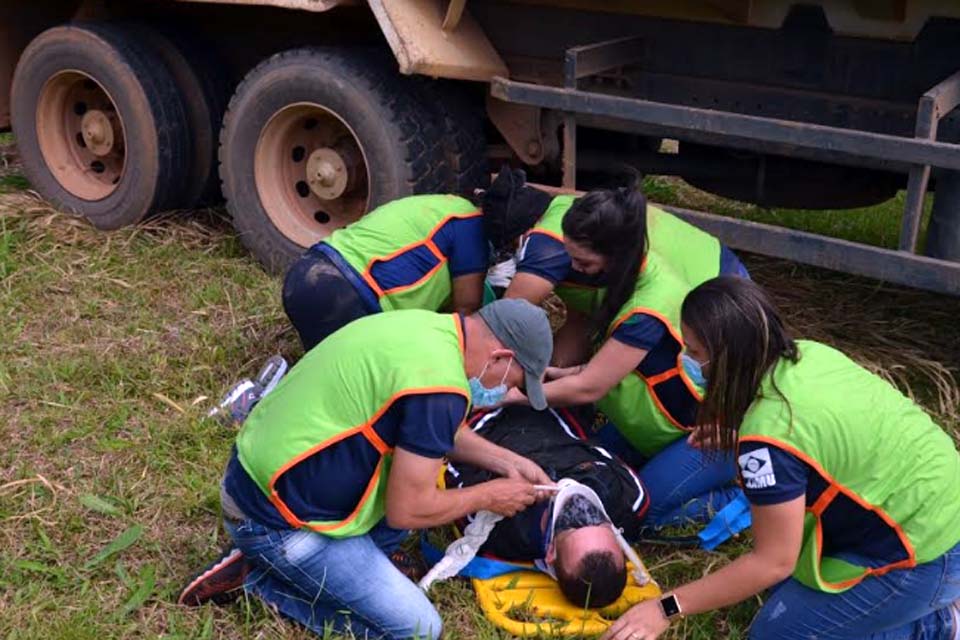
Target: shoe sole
<point>234,556</point>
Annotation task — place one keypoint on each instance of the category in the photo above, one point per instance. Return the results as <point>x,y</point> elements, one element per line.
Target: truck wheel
<point>313,139</point>
<point>461,113</point>
<point>99,124</point>
<point>205,91</point>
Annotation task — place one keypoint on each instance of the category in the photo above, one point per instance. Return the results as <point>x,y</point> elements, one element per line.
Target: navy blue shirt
<point>772,475</point>
<point>545,256</point>
<point>328,486</point>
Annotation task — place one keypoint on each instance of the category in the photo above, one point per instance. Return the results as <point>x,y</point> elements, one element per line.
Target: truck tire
<point>316,137</point>
<point>462,116</point>
<point>205,91</point>
<point>99,124</point>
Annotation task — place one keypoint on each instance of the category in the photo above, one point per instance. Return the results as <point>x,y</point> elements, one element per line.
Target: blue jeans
<point>687,485</point>
<point>347,585</point>
<point>907,604</point>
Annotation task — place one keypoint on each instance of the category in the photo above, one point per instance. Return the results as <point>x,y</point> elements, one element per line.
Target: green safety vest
<point>578,297</point>
<point>651,406</point>
<point>394,228</point>
<point>339,390</point>
<point>872,446</point>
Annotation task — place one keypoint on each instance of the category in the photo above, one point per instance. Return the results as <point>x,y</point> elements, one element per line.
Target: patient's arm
<point>476,450</point>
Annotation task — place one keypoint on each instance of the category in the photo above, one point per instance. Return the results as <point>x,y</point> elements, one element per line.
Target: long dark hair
<point>613,223</point>
<point>743,334</point>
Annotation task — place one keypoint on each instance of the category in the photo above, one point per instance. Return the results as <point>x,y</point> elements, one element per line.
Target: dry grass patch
<point>112,347</point>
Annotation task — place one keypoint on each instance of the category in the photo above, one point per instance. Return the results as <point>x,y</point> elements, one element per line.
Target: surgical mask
<point>482,396</point>
<point>694,370</point>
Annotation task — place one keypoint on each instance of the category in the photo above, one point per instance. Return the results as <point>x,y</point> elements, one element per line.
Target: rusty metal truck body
<point>304,114</point>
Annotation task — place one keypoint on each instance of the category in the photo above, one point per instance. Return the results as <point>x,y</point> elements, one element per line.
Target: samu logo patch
<point>757,469</point>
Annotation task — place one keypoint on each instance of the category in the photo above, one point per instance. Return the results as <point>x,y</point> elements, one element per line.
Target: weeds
<point>112,347</point>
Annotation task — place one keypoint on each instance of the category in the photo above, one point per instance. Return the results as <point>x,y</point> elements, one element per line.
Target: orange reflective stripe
<point>659,404</point>
<point>284,510</point>
<point>661,377</point>
<point>835,488</point>
<point>418,281</point>
<point>365,429</point>
<point>374,438</point>
<point>427,242</point>
<point>824,500</point>
<point>673,332</point>
<point>374,481</point>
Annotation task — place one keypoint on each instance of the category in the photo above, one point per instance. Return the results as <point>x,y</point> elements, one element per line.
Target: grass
<point>111,349</point>
<point>878,225</point>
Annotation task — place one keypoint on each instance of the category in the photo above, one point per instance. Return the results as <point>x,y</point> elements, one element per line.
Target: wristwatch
<point>670,606</point>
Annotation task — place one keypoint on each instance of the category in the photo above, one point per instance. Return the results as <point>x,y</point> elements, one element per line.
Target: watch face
<point>670,606</point>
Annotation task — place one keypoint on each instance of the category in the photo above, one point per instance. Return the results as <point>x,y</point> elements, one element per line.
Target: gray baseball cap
<point>524,329</point>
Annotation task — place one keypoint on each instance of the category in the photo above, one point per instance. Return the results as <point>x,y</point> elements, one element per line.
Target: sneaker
<point>237,403</point>
<point>408,565</point>
<point>271,373</point>
<point>221,582</point>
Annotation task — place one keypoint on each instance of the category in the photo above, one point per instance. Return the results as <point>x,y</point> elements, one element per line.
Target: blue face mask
<point>694,370</point>
<point>482,396</point>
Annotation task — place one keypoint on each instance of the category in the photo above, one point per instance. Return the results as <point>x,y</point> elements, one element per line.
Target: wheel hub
<point>98,132</point>
<point>327,174</point>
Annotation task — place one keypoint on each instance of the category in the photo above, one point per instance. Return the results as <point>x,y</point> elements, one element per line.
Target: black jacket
<point>555,441</point>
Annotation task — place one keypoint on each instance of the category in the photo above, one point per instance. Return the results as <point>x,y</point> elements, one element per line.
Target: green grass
<point>878,225</point>
<point>112,347</point>
<point>12,183</point>
<point>6,138</point>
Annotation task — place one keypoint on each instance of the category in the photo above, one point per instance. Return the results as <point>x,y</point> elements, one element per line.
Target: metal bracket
<point>582,62</point>
<point>933,106</point>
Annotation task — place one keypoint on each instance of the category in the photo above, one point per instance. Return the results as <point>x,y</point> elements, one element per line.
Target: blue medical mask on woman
<point>482,396</point>
<point>694,370</point>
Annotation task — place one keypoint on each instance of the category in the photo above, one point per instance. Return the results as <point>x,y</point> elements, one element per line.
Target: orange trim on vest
<point>374,481</point>
<point>834,489</point>
<point>818,507</point>
<point>652,381</point>
<point>428,242</point>
<point>365,429</point>
<point>374,438</point>
<point>663,377</point>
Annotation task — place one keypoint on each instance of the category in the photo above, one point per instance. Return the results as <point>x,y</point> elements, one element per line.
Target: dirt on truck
<point>304,114</point>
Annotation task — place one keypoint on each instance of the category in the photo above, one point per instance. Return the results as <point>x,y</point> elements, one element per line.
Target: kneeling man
<point>333,467</point>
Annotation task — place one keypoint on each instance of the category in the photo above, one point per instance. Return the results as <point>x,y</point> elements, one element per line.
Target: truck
<point>302,115</point>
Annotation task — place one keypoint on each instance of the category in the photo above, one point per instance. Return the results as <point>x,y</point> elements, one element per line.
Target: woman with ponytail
<point>623,268</point>
<point>854,491</point>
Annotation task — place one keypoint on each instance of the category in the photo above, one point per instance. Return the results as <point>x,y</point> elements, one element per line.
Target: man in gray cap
<point>336,464</point>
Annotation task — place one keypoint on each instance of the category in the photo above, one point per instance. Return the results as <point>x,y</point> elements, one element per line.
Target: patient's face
<point>570,546</point>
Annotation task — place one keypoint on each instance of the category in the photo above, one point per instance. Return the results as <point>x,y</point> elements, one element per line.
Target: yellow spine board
<point>529,603</point>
